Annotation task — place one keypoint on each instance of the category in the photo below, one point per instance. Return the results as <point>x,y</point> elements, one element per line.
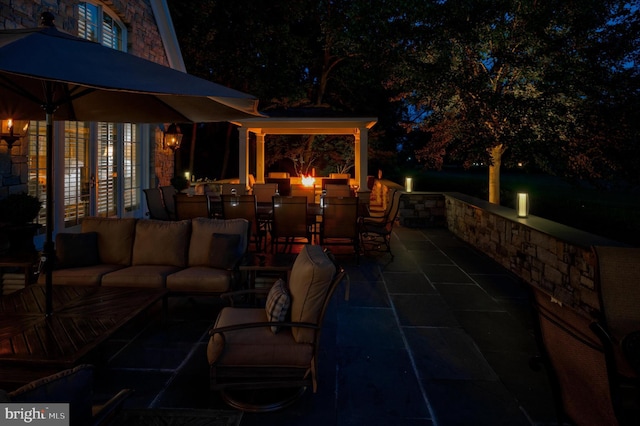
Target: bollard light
<point>408,184</point>
<point>522,204</point>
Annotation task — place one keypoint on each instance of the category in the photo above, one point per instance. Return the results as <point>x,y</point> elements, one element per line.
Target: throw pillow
<point>224,251</point>
<point>278,301</point>
<point>76,250</point>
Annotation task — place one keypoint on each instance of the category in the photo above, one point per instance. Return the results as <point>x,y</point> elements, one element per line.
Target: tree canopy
<point>553,85</point>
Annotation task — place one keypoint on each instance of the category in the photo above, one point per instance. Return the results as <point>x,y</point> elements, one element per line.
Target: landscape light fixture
<point>522,204</point>
<point>408,184</point>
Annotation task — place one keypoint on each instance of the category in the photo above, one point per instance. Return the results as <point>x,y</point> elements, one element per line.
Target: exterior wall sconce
<point>408,184</point>
<point>522,204</point>
<point>12,130</point>
<point>172,137</point>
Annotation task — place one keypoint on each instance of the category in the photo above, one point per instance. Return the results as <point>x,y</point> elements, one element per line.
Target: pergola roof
<point>261,126</point>
<point>307,126</point>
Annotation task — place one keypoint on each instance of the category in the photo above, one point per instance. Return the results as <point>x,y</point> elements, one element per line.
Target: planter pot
<point>19,238</point>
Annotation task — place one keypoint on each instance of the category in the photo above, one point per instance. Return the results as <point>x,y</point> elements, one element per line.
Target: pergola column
<point>260,157</point>
<point>360,151</point>
<point>243,157</point>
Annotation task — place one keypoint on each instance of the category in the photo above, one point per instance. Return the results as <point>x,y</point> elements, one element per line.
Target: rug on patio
<point>178,417</point>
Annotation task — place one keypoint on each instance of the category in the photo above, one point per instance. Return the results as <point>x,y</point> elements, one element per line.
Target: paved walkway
<point>441,335</point>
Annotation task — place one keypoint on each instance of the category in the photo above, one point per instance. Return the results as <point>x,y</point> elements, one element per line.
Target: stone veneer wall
<point>555,258</point>
<point>422,210</point>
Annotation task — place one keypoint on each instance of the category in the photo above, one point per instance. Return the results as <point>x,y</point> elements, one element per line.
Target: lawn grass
<point>612,214</point>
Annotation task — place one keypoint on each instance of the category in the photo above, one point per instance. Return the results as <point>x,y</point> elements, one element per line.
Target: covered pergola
<point>262,126</point>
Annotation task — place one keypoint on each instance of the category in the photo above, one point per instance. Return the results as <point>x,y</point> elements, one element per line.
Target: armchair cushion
<point>152,237</point>
<point>74,250</point>
<point>254,346</point>
<point>225,251</point>
<point>311,275</point>
<point>277,305</point>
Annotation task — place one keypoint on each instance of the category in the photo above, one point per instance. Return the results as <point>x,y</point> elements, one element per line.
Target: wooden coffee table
<point>33,345</point>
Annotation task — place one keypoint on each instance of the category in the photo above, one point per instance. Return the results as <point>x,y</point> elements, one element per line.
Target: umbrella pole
<point>48,244</point>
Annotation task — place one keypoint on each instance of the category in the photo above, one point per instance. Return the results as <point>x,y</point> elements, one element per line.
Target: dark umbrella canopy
<point>88,82</point>
<point>47,74</point>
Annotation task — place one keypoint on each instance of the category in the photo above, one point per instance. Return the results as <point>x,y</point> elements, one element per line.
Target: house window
<point>96,23</point>
<point>101,160</point>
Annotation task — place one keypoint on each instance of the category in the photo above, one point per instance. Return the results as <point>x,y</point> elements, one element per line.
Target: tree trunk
<point>494,173</point>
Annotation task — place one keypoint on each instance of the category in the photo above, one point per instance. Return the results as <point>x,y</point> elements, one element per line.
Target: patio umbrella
<point>49,75</point>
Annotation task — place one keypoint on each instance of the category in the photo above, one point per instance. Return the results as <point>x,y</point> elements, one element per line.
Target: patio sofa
<point>199,255</point>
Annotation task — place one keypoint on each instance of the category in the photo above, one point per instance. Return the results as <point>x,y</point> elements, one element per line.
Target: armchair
<point>618,327</point>
<point>375,232</point>
<point>273,347</point>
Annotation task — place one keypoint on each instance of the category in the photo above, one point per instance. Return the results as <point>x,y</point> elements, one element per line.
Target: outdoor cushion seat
<point>85,275</point>
<point>200,279</point>
<point>149,276</point>
<point>256,346</point>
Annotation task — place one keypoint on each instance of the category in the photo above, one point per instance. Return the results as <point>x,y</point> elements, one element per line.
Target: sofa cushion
<point>277,304</point>
<point>225,251</point>
<point>255,346</point>
<point>144,276</point>
<point>73,386</point>
<point>115,238</point>
<point>85,275</point>
<point>76,249</point>
<point>159,242</point>
<point>203,228</point>
<point>310,278</point>
<point>200,279</point>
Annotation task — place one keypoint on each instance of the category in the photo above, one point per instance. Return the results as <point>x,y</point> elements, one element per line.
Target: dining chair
<point>155,204</point>
<point>337,190</point>
<point>191,206</point>
<point>284,175</point>
<point>264,191</point>
<point>168,193</point>
<point>245,207</point>
<point>284,185</point>
<point>299,190</point>
<point>339,176</point>
<point>339,224</point>
<point>330,181</point>
<point>375,232</point>
<point>227,188</point>
<point>289,222</point>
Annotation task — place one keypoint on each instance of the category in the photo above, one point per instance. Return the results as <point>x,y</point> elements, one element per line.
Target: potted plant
<point>17,213</point>
<point>180,183</point>
<point>19,209</point>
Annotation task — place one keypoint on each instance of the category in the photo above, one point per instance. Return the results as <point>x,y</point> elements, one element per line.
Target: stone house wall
<point>143,40</point>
